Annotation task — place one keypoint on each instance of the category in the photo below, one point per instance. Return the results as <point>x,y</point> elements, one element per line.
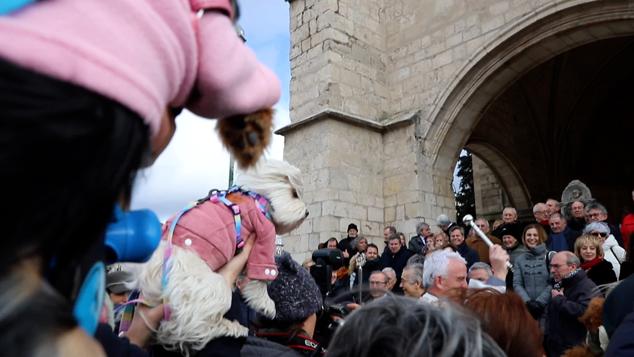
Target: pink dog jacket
<point>209,230</point>
<point>145,54</point>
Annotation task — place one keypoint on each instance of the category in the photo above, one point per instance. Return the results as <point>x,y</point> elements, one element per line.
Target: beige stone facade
<point>385,94</point>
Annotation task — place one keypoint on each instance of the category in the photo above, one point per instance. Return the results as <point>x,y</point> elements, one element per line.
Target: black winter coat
<point>602,273</point>
<point>563,329</point>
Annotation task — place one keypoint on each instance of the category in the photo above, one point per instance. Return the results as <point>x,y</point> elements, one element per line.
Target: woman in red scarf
<point>590,251</point>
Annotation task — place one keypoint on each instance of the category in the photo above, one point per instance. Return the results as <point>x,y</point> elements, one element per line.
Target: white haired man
<point>412,280</point>
<point>444,276</point>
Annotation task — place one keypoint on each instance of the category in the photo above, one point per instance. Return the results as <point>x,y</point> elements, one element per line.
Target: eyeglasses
<point>599,234</point>
<point>377,283</point>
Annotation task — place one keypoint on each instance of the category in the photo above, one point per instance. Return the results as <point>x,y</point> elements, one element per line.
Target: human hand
<point>498,258</point>
<point>556,292</point>
<point>346,254</point>
<point>234,267</point>
<point>146,321</point>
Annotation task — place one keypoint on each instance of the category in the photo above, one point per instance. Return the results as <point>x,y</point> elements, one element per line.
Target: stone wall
<point>489,195</point>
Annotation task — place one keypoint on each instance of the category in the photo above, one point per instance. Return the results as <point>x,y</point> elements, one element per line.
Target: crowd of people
<point>560,261</point>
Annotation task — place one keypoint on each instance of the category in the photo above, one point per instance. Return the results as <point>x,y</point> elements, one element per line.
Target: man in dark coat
<point>571,295</point>
<point>396,258</point>
<point>418,243</point>
<point>456,236</point>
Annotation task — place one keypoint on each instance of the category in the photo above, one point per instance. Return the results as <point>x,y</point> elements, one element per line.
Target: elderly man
<point>552,206</point>
<point>391,278</point>
<point>418,243</point>
<point>571,295</point>
<point>444,276</point>
<point>476,243</point>
<point>577,219</point>
<point>444,223</point>
<point>540,212</point>
<point>509,215</point>
<point>378,286</point>
<point>480,271</point>
<point>412,280</point>
<point>561,237</point>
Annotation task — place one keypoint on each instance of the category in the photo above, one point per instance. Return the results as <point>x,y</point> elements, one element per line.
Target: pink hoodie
<point>145,54</point>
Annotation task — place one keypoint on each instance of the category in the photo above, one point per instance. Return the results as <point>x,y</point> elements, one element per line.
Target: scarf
<point>589,264</point>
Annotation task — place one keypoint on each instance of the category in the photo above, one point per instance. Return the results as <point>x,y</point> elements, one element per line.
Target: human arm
<point>498,258</point>
<point>518,282</point>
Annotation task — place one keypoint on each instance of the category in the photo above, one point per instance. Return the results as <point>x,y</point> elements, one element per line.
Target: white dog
<point>182,272</point>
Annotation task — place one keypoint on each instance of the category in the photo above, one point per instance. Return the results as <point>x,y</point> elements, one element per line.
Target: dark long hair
<point>66,156</point>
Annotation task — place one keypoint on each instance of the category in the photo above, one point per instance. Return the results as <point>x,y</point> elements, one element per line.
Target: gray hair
<point>416,259</point>
<point>481,265</point>
<point>355,242</point>
<point>485,221</point>
<point>540,206</point>
<point>600,227</point>
<point>388,271</point>
<point>571,258</point>
<point>399,326</point>
<point>436,265</point>
<point>420,226</point>
<point>596,205</point>
<point>416,275</point>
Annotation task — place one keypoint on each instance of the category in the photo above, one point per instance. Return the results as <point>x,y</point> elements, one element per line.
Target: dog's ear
<point>592,318</point>
<point>246,137</point>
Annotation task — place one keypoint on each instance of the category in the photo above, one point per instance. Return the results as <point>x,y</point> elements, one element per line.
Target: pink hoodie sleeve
<point>230,79</point>
<point>261,262</point>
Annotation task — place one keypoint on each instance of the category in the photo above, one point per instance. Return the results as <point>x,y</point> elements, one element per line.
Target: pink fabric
<point>210,230</point>
<point>145,54</point>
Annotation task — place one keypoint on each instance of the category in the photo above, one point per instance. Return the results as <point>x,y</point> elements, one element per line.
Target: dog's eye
<point>295,195</point>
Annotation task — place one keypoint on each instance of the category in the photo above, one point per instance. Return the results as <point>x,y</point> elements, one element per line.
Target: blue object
<point>89,301</point>
<point>133,236</point>
<point>8,6</point>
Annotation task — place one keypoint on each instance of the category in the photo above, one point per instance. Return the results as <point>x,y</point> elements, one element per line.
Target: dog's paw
<point>258,298</point>
<point>246,137</point>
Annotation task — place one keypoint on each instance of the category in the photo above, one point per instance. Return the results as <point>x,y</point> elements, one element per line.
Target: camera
<point>326,261</point>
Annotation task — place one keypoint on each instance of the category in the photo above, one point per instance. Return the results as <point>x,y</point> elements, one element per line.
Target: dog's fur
<point>199,297</point>
<point>246,137</point>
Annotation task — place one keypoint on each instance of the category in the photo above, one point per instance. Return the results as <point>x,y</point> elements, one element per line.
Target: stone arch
<point>525,44</point>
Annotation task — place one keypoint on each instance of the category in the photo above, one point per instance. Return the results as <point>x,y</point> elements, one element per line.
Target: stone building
<point>385,94</point>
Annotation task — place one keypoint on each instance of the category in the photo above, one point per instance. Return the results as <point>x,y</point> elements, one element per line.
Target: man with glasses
<point>570,297</point>
<point>611,250</point>
<point>378,284</point>
<point>596,212</point>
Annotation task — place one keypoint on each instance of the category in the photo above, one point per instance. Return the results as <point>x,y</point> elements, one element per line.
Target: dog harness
<point>214,196</point>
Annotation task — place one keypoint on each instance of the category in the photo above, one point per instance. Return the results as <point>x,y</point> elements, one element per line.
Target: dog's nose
<point>306,213</point>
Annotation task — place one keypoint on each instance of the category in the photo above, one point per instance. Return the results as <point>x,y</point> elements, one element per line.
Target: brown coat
<point>476,243</point>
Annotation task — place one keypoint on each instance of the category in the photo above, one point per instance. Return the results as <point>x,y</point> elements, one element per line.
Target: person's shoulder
<point>258,347</point>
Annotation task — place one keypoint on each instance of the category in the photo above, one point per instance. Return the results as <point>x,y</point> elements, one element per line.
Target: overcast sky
<point>195,161</point>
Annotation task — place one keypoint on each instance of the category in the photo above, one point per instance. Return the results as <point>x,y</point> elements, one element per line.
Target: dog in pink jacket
<point>202,238</point>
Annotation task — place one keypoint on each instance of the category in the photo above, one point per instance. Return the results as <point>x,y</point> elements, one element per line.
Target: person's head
<point>402,327</point>
<point>483,224</point>
<point>443,221</point>
<point>401,237</point>
<point>577,209</point>
<point>372,251</point>
<point>557,222</point>
<point>378,284</point>
<point>361,244</point>
<point>596,212</point>
<point>533,235</point>
<point>331,243</point>
<point>456,235</point>
<point>480,271</point>
<point>119,283</point>
<point>552,206</point>
<point>507,320</point>
<point>391,277</point>
<point>388,231</point>
<point>443,272</point>
<point>394,243</point>
<point>600,230</point>
<point>423,229</point>
<point>509,215</point>
<point>540,212</point>
<point>352,230</point>
<point>295,294</point>
<point>412,280</point>
<point>496,224</point>
<point>562,264</point>
<point>510,235</point>
<point>588,247</point>
<point>440,239</point>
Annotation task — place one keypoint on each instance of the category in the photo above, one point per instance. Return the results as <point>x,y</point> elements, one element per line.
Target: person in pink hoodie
<point>88,94</point>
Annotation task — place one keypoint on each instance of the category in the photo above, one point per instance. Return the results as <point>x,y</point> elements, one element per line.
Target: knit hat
<point>506,229</point>
<point>352,226</point>
<point>294,291</point>
<point>443,220</point>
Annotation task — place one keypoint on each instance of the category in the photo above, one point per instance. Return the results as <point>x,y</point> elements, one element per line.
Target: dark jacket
<point>470,255</point>
<point>563,241</point>
<point>397,262</point>
<point>259,347</point>
<point>563,329</point>
<point>602,273</point>
<point>417,244</point>
<point>621,342</point>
